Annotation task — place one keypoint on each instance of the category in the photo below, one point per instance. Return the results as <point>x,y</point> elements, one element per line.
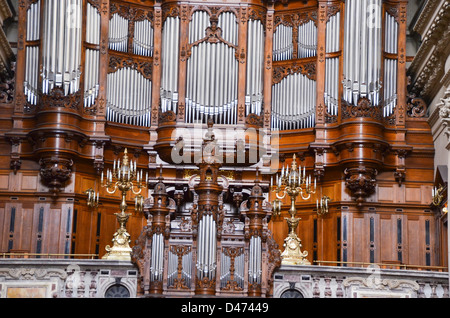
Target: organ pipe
<point>331,89</point>
<point>212,71</point>
<point>61,57</point>
<point>283,46</point>
<point>255,55</point>
<point>157,258</point>
<point>293,103</point>
<point>128,97</point>
<point>143,38</point>
<point>91,62</point>
<point>169,77</point>
<point>118,33</point>
<point>362,50</point>
<point>390,65</point>
<point>307,40</point>
<point>206,248</point>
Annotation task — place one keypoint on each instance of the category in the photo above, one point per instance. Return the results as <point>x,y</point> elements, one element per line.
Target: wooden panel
<point>387,246</point>
<point>4,182</point>
<point>413,194</point>
<point>29,182</point>
<point>385,194</point>
<point>414,242</point>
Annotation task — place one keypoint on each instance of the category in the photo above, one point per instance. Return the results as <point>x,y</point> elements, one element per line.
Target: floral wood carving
<point>361,182</point>
<point>55,171</point>
<point>364,108</point>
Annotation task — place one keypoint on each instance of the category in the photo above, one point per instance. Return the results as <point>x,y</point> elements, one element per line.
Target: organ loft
<point>211,145</point>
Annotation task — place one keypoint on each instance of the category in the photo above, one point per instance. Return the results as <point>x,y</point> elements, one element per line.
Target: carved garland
<point>117,62</point>
<point>281,71</point>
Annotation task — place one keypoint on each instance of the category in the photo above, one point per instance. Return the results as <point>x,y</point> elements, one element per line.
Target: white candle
<point>101,178</point>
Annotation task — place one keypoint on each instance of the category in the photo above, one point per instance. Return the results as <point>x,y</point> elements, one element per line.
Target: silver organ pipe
<point>390,65</point>
<point>62,45</point>
<point>91,66</point>
<point>255,55</point>
<point>169,77</point>
<point>157,258</point>
<point>212,71</point>
<point>362,54</point>
<point>118,33</point>
<point>32,53</point>
<point>254,264</point>
<point>331,92</point>
<point>186,271</point>
<point>307,39</point>
<point>128,97</point>
<point>239,270</point>
<point>33,21</point>
<point>293,103</point>
<point>206,248</point>
<point>143,38</point>
<point>283,45</point>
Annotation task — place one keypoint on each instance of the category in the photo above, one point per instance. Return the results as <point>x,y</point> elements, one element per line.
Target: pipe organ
<point>326,78</point>
<point>362,51</point>
<point>61,56</point>
<point>169,82</point>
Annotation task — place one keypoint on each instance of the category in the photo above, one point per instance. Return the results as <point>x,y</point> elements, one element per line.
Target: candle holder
<point>92,198</point>
<point>123,177</point>
<point>294,183</point>
<point>322,206</point>
<point>437,195</point>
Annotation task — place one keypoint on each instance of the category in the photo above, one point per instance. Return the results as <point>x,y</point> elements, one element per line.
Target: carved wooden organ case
<point>327,78</point>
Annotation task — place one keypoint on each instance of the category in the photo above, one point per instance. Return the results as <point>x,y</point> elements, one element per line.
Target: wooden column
<point>182,62</point>
<point>401,66</point>
<point>320,67</point>
<point>103,64</point>
<point>156,75</point>
<point>242,47</point>
<point>267,89</point>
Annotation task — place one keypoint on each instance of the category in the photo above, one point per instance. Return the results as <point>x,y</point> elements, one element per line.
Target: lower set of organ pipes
<point>180,265</point>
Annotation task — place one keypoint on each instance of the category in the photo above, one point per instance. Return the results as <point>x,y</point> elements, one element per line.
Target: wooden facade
<point>378,169</point>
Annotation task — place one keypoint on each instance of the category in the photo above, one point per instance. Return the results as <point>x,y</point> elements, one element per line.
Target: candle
<point>114,164</point>
<point>101,178</point>
<point>271,181</point>
<point>317,204</point>
<point>314,183</point>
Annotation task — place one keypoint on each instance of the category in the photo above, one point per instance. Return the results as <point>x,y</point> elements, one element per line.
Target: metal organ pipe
<point>362,50</point>
<point>91,64</point>
<point>254,267</point>
<point>307,40</point>
<point>169,77</point>
<point>331,91</point>
<point>255,55</point>
<point>390,65</point>
<point>118,33</point>
<point>212,71</point>
<point>206,248</point>
<point>62,45</point>
<point>157,258</point>
<point>128,97</point>
<point>293,103</point>
<point>143,38</point>
<point>283,46</point>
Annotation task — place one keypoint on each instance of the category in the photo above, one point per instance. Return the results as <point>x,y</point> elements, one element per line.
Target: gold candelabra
<point>293,182</point>
<point>322,205</point>
<point>92,198</point>
<point>123,177</point>
<point>437,195</point>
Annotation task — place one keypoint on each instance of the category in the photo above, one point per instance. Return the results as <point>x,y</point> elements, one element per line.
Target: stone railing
<point>357,282</point>
<point>68,278</point>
